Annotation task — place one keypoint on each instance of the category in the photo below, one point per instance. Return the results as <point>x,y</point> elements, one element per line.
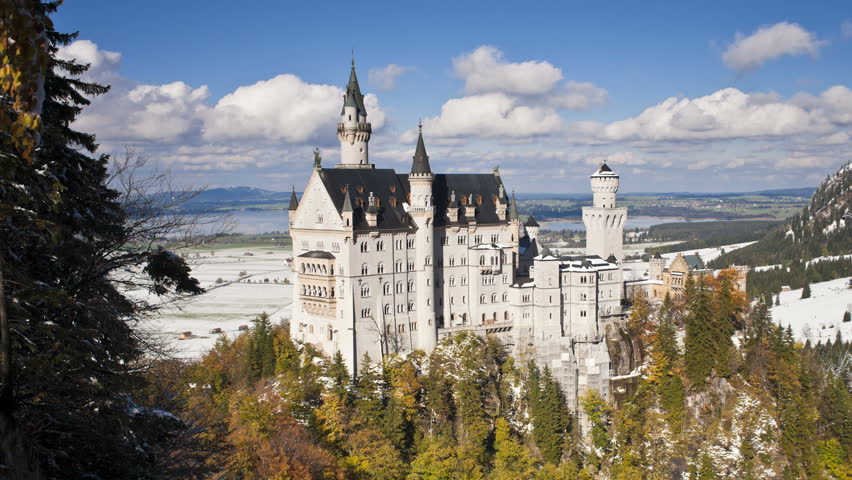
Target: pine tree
<point>806,290</point>
<point>549,416</point>
<point>512,460</point>
<point>699,341</point>
<point>847,317</point>
<point>261,352</point>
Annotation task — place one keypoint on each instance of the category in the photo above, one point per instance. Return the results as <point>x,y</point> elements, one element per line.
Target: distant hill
<point>823,227</point>
<point>237,198</point>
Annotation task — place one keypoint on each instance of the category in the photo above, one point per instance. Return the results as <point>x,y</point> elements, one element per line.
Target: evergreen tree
<point>847,317</point>
<point>699,341</point>
<point>368,401</point>
<point>549,416</point>
<point>261,352</point>
<point>806,290</point>
<point>512,460</point>
<point>66,236</point>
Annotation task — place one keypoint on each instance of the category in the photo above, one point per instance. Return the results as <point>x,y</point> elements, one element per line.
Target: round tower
<point>604,222</point>
<point>354,130</point>
<point>422,212</point>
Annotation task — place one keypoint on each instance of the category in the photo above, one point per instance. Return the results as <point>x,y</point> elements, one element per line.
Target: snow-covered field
<point>708,254</point>
<point>817,318</point>
<point>230,304</point>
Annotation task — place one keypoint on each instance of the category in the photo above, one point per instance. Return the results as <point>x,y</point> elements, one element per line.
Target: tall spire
<point>513,208</point>
<point>355,89</point>
<point>294,202</point>
<point>420,165</point>
<point>347,201</point>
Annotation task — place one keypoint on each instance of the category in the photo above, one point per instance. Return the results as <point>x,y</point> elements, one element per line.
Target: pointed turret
<point>353,130</point>
<point>513,208</point>
<point>347,201</point>
<point>294,202</point>
<point>420,165</point>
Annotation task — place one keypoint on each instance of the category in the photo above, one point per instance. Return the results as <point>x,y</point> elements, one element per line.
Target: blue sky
<point>692,96</point>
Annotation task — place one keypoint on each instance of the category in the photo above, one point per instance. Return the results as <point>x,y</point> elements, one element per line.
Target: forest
<point>703,407</point>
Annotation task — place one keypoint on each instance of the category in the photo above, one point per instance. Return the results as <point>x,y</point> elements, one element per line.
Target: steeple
<point>353,130</point>
<point>420,165</point>
<point>294,202</point>
<point>347,201</point>
<point>513,208</point>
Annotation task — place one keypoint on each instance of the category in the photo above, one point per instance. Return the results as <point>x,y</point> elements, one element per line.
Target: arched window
<point>364,246</point>
<point>428,260</point>
<point>319,216</point>
<point>380,246</point>
<point>482,259</point>
<point>411,285</point>
<point>505,297</point>
<point>387,309</point>
<point>398,287</point>
<point>452,261</point>
<point>464,280</point>
<point>411,265</point>
<point>380,268</point>
<point>493,298</point>
<point>365,290</point>
<point>386,289</point>
<point>452,281</point>
<point>505,315</point>
<point>364,269</point>
<point>410,306</point>
<point>398,266</point>
<point>482,300</point>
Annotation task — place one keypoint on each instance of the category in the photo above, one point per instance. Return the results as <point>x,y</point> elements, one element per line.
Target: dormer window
<point>360,189</point>
<point>393,188</point>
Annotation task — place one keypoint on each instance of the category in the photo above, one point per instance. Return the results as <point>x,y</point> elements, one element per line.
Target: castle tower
<point>353,130</point>
<point>657,264</point>
<point>422,212</point>
<point>604,222</point>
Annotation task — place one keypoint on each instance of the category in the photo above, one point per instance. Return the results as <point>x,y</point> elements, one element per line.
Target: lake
<point>277,220</point>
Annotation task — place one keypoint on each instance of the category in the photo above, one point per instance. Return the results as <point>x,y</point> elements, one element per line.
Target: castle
<point>391,262</point>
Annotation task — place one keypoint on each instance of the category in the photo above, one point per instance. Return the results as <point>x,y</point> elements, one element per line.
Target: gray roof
<point>420,164</point>
<point>391,189</point>
<point>354,90</point>
<point>531,222</point>
<point>604,168</point>
<point>294,202</point>
<point>513,208</point>
<point>317,254</point>
<point>694,262</point>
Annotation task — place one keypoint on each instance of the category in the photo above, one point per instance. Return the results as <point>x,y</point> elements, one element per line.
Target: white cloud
<point>580,96</point>
<point>485,71</point>
<point>770,42</point>
<point>729,114</point>
<point>87,52</point>
<point>492,115</point>
<point>616,159</point>
<point>846,28</point>
<point>385,78</point>
<point>283,109</point>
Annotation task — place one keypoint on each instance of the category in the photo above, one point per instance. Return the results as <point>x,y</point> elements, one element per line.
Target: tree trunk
<point>7,399</point>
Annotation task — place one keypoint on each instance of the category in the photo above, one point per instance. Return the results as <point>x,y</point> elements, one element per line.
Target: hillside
<point>823,227</point>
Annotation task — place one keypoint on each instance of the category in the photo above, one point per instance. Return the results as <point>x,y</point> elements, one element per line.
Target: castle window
<point>582,313</point>
<point>398,266</point>
<point>393,188</point>
<point>398,244</point>
<point>582,297</point>
<point>452,261</point>
<point>493,298</point>
<point>428,260</point>
<point>365,313</point>
<point>452,281</point>
<point>526,298</point>
<point>399,308</point>
<point>319,217</point>
<point>365,269</point>
<point>461,240</point>
<point>411,265</point>
<point>411,285</point>
<point>386,289</point>
<point>410,306</point>
<point>360,190</point>
<point>479,199</point>
<point>320,246</point>
<point>380,268</point>
<point>398,287</point>
<point>464,280</point>
<point>335,247</point>
<point>387,309</point>
<point>505,297</point>
<point>364,247</point>
<point>380,246</point>
<point>482,259</point>
<point>464,260</point>
<point>482,299</point>
<point>452,302</point>
<point>365,290</point>
<point>477,239</point>
<point>410,243</point>
<point>445,240</point>
<point>305,245</point>
<point>330,333</point>
<point>495,237</point>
